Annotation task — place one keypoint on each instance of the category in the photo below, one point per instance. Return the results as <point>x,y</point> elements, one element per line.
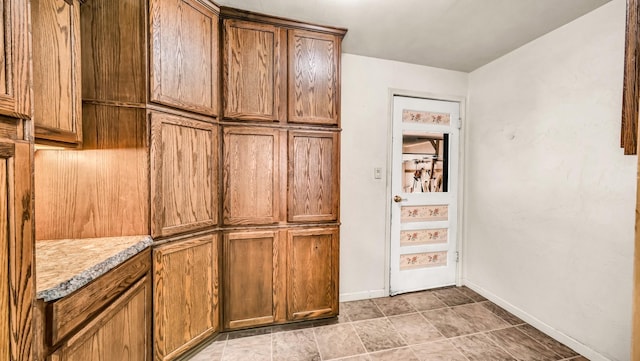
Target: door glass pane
<point>424,162</point>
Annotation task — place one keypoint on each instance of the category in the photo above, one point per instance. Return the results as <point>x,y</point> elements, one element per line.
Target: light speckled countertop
<point>65,265</point>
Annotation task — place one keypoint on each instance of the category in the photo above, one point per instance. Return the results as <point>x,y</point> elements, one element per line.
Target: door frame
<point>461,179</point>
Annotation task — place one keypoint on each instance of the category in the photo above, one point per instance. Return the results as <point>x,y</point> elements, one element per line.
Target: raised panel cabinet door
<point>314,176</point>
<point>254,63</point>
<point>121,332</point>
<point>16,251</point>
<point>57,88</point>
<point>15,80</point>
<point>185,294</point>
<point>252,279</point>
<point>312,283</point>
<point>251,174</point>
<point>184,166</point>
<point>314,78</point>
<point>184,54</point>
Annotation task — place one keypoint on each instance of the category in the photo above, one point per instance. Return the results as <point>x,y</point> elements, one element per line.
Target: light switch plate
<point>377,173</point>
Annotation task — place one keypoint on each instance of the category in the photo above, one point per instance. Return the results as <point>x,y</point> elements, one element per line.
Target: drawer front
<point>72,311</point>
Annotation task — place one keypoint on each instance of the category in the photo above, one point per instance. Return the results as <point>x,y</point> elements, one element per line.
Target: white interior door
<point>424,184</point>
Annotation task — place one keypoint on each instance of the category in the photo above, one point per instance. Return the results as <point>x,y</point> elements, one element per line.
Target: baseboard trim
<point>364,295</point>
<point>576,345</point>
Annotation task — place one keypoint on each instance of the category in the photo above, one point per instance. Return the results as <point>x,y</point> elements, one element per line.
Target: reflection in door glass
<point>424,162</point>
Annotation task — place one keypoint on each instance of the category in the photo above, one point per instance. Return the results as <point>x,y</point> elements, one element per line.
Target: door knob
<point>398,199</point>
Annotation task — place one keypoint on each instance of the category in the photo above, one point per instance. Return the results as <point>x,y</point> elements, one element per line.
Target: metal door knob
<point>398,199</point>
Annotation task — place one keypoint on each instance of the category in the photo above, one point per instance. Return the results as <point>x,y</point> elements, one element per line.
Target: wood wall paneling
<point>314,78</point>
<point>56,70</point>
<point>312,273</point>
<point>114,44</point>
<point>251,173</point>
<point>184,164</point>
<point>251,277</point>
<point>120,332</point>
<point>184,54</point>
<point>15,77</point>
<point>254,64</point>
<point>105,187</point>
<point>314,180</point>
<point>185,294</point>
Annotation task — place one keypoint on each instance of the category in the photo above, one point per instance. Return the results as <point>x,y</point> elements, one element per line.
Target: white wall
<point>365,116</point>
<point>550,195</point>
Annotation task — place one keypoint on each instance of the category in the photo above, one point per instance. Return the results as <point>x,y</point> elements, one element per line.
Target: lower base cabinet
<point>117,333</point>
<point>185,278</point>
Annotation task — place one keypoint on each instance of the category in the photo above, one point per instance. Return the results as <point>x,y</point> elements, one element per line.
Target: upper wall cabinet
<point>56,70</point>
<point>14,59</point>
<point>184,51</point>
<point>314,89</point>
<point>253,66</point>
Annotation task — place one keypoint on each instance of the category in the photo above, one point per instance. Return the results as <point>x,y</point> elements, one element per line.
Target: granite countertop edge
<point>83,278</point>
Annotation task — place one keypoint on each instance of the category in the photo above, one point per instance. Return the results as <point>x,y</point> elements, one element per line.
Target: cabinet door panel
<point>252,278</point>
<point>185,294</point>
<point>121,332</point>
<point>314,89</point>
<point>251,175</point>
<point>253,64</point>
<point>183,174</point>
<point>56,70</point>
<point>312,273</point>
<point>184,54</point>
<point>14,59</point>
<point>4,260</point>
<point>313,176</point>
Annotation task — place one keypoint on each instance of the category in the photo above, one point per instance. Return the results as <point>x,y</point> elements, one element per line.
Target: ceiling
<point>451,34</point>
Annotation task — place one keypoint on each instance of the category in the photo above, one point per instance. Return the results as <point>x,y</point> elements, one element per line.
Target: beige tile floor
<point>453,324</point>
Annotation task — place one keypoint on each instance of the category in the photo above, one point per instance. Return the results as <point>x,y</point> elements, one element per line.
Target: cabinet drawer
<point>70,312</point>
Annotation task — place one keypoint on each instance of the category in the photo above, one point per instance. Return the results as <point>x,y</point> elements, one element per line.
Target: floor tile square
<point>415,329</point>
<point>549,342</point>
<point>338,341</point>
<point>480,317</point>
<point>452,297</point>
<point>392,306</point>
<point>361,310</point>
<point>449,323</point>
<point>378,335</point>
<point>521,346</point>
<point>480,348</point>
<point>396,354</point>
<point>255,348</point>
<point>295,345</point>
<point>471,294</point>
<point>502,313</point>
<point>438,351</point>
<point>423,301</point>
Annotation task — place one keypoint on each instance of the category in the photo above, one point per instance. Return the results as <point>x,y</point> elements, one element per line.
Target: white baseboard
<point>365,295</point>
<point>581,348</point>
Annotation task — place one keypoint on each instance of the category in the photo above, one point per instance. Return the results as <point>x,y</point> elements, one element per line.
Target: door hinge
<point>457,256</point>
<point>459,123</point>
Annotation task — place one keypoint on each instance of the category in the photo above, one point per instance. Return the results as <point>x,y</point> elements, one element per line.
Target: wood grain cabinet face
<point>184,165</point>
<point>184,55</point>
<point>314,168</point>
<point>312,283</point>
<point>251,174</point>
<point>252,281</point>
<point>14,59</point>
<point>57,88</point>
<point>254,61</point>
<point>314,84</point>
<point>5,219</point>
<point>185,294</point>
<point>121,332</point>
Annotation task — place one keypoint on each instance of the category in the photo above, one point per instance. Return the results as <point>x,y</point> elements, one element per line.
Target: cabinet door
<point>314,176</point>
<point>185,294</point>
<point>121,332</point>
<point>16,252</point>
<point>314,78</point>
<point>251,174</point>
<point>56,70</point>
<point>14,59</point>
<point>184,163</point>
<point>184,54</point>
<point>253,66</point>
<point>253,286</point>
<point>312,284</point>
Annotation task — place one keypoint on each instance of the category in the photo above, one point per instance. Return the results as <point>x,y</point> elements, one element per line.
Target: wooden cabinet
<point>253,278</point>
<point>120,332</point>
<point>16,251</point>
<point>314,181</point>
<point>314,77</point>
<point>251,175</point>
<point>312,274</point>
<point>15,81</point>
<point>56,70</point>
<point>184,163</point>
<point>185,278</point>
<point>184,54</point>
<point>254,69</point>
